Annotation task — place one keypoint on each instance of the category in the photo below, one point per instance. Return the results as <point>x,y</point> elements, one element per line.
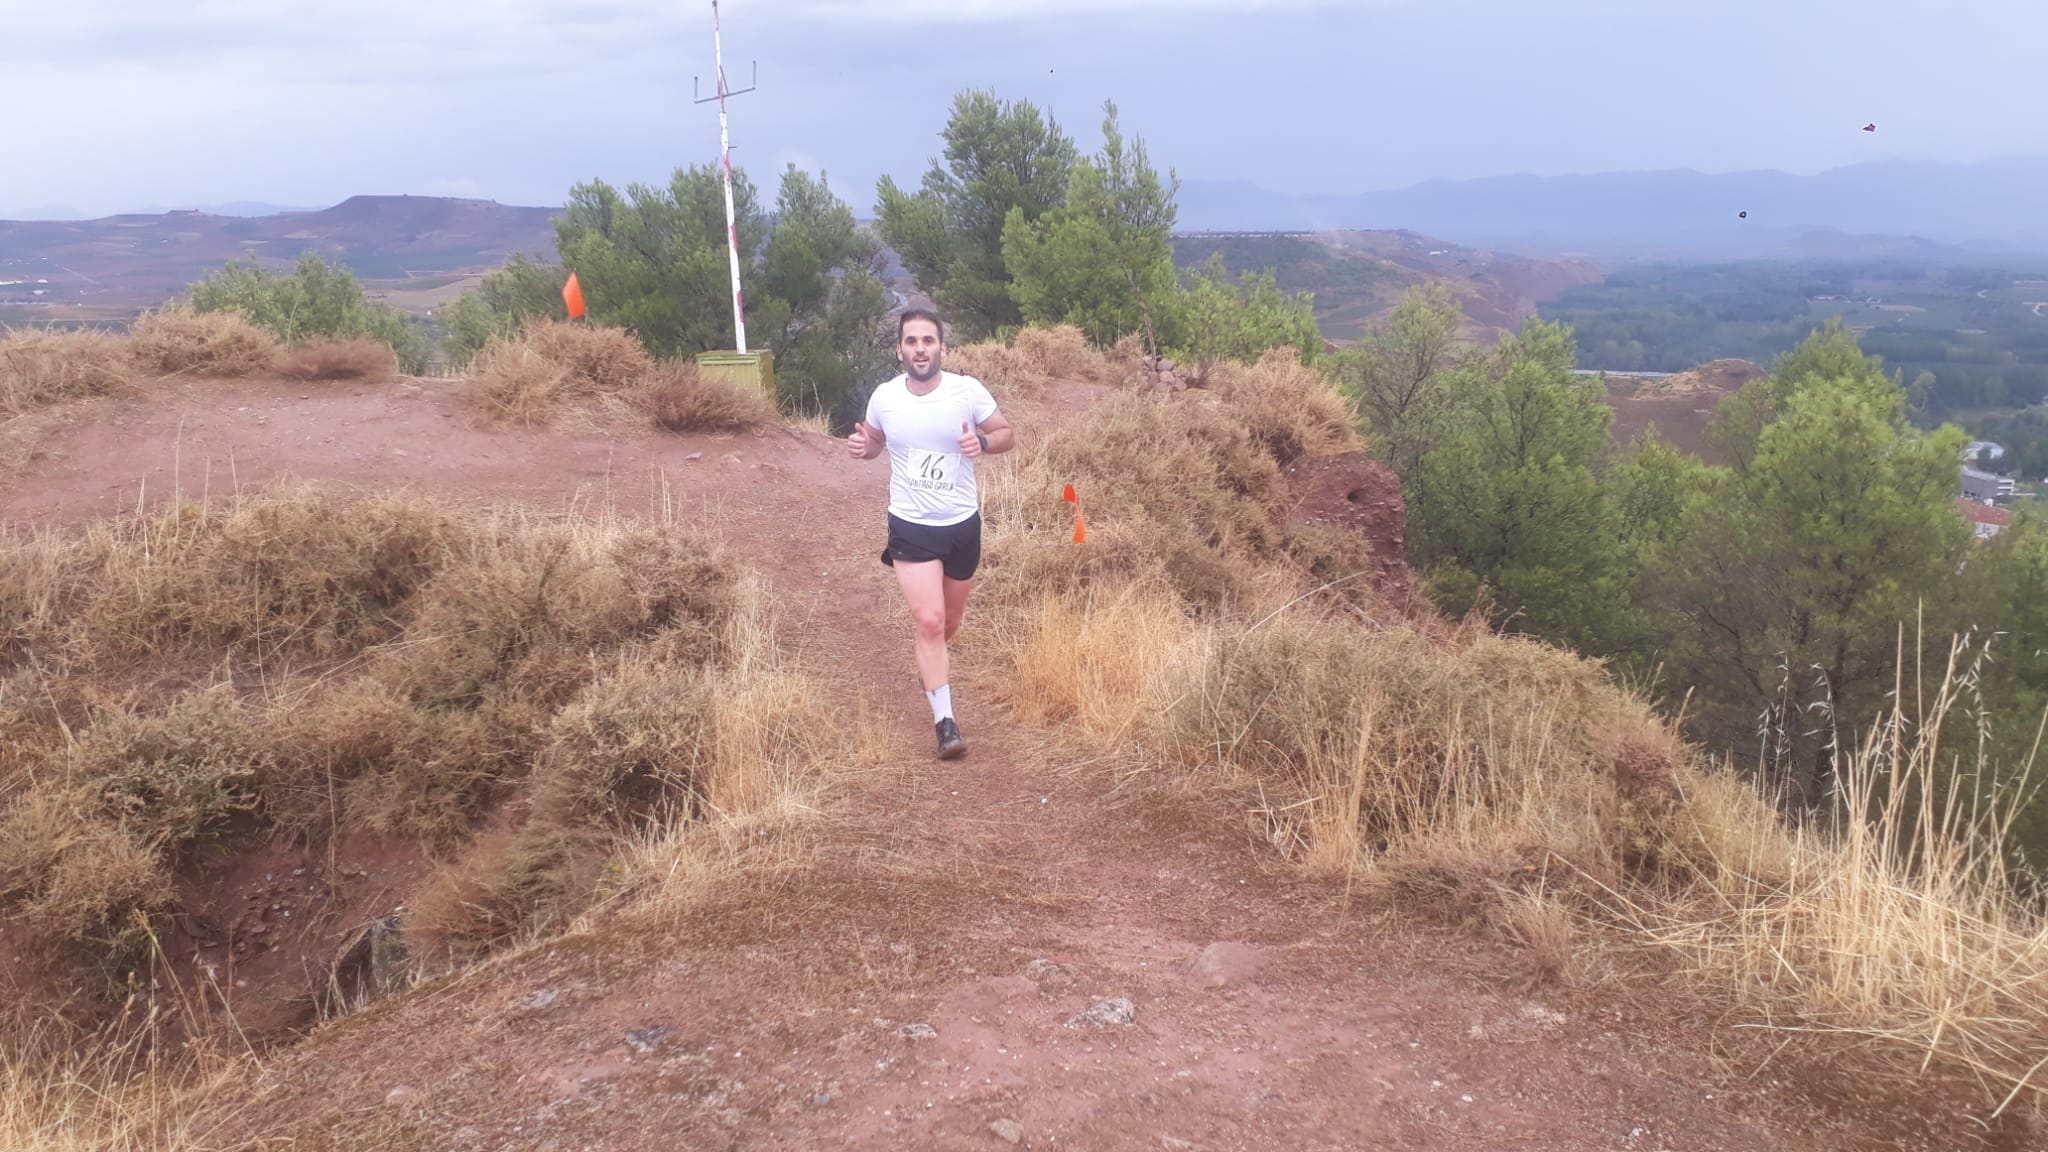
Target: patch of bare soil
<point>989,954</point>
<point>1714,377</point>
<point>1360,495</point>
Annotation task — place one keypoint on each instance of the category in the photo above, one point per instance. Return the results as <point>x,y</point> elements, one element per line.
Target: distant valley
<point>411,249</point>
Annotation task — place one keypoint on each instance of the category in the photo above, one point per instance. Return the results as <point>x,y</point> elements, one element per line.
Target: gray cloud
<point>297,102</point>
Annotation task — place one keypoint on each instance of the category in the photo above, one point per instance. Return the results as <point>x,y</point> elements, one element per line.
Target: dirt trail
<point>991,901</point>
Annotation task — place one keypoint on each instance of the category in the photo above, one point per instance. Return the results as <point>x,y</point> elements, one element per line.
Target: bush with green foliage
<point>1784,583</point>
<point>1509,497</point>
<point>654,260</point>
<point>499,307</point>
<point>1215,318</point>
<point>1103,261</point>
<point>1000,157</point>
<point>314,301</point>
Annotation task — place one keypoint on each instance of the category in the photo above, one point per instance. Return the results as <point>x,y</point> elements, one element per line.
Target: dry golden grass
<point>1006,373</point>
<point>179,341</point>
<point>681,399</point>
<point>451,660</point>
<point>661,756</point>
<point>1061,353</point>
<point>603,359</point>
<point>525,380</point>
<point>42,366</point>
<point>1900,934</point>
<point>289,570</point>
<point>1289,408</point>
<point>330,360</point>
<point>58,1097</point>
<point>1034,358</point>
<point>1169,485</point>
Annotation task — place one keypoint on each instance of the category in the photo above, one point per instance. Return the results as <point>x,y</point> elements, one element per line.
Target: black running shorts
<point>956,546</point>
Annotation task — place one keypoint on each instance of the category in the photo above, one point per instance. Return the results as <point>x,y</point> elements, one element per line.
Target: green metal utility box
<point>753,369</point>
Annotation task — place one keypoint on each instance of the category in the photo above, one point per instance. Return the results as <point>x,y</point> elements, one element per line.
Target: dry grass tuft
<point>1005,372</point>
<point>524,380</point>
<point>1061,353</point>
<point>58,1097</point>
<point>651,753</point>
<point>179,341</point>
<point>1289,408</point>
<point>600,358</point>
<point>1901,933</point>
<point>1171,486</point>
<point>331,360</point>
<point>87,848</point>
<point>41,366</point>
<point>1034,358</point>
<point>290,570</point>
<point>616,703</point>
<point>1094,657</point>
<point>681,399</point>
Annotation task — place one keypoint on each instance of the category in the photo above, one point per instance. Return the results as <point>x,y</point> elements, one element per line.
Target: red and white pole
<point>732,233</point>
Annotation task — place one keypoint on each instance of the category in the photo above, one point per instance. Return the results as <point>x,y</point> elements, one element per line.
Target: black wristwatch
<point>983,437</point>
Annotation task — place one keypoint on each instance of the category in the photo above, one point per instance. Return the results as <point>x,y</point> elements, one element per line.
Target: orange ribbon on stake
<point>572,296</point>
<point>1080,524</point>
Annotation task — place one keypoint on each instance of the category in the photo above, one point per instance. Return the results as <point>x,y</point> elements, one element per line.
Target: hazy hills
<point>1877,209</point>
<point>88,269</point>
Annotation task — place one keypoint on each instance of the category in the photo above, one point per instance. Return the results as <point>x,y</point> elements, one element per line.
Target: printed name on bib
<point>933,471</point>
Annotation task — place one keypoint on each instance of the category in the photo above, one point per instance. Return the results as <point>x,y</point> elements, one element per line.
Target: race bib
<point>933,471</point>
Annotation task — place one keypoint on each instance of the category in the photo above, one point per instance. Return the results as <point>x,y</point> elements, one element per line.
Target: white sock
<point>942,702</point>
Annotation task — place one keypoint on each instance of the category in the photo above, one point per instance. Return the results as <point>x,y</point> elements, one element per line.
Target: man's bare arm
<point>866,442</point>
<point>1001,437</point>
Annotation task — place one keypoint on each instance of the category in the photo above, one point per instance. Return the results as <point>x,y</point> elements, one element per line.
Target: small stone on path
<point>647,1039</point>
<point>1009,1130</point>
<point>1109,1013</point>
<point>1225,963</point>
<point>918,1032</point>
<point>545,998</point>
<point>399,1094</point>
<point>1049,976</point>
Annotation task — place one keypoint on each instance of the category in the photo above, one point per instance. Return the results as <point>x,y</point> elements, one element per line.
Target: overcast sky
<point>117,104</point>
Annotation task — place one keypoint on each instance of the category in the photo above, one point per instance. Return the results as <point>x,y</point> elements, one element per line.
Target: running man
<point>934,425</point>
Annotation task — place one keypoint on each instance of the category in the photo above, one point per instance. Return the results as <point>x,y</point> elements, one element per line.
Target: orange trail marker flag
<point>1069,496</point>
<point>572,295</point>
<point>1080,528</point>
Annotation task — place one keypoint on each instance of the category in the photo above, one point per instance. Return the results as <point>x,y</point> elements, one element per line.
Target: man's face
<point>921,349</point>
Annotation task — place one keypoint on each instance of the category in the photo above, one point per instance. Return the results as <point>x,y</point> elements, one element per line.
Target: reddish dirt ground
<point>990,901</point>
<point>1361,495</point>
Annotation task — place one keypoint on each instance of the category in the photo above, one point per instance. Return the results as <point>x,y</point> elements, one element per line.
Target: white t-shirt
<point>930,482</point>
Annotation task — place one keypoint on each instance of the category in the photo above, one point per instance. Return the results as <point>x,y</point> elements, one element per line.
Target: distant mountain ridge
<point>1979,208</point>
<point>114,266</point>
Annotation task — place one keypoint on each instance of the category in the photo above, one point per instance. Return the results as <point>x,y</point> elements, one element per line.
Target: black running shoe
<point>951,746</point>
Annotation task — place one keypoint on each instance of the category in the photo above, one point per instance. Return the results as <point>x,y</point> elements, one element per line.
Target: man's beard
<point>931,371</point>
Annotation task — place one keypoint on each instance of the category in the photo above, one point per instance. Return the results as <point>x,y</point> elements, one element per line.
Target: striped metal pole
<point>732,232</point>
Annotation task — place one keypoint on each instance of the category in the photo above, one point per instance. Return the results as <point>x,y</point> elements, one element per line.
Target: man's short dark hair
<point>910,314</point>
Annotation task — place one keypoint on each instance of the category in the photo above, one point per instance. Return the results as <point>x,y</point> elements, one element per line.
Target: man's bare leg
<point>923,589</point>
<point>956,604</point>
<point>936,616</point>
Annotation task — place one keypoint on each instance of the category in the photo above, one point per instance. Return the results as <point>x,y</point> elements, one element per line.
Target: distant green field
<point>1968,336</point>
